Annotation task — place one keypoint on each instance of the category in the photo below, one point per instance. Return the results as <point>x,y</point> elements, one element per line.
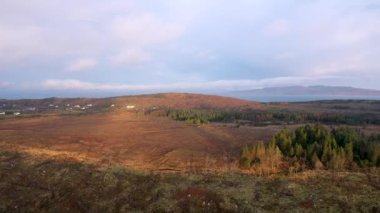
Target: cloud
<point>18,43</point>
<point>81,65</point>
<point>5,84</point>
<point>136,37</point>
<point>221,85</point>
<point>197,44</point>
<point>278,27</point>
<point>30,37</point>
<point>131,57</point>
<point>144,30</point>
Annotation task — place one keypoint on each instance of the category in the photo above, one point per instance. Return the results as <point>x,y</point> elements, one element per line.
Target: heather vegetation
<point>271,116</point>
<point>114,159</point>
<point>31,184</point>
<point>315,147</point>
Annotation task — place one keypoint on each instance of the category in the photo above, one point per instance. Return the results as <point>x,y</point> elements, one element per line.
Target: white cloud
<point>81,65</point>
<point>190,40</point>
<point>220,85</point>
<point>278,27</point>
<point>18,43</point>
<point>5,84</point>
<point>144,30</point>
<point>131,57</point>
<point>30,37</point>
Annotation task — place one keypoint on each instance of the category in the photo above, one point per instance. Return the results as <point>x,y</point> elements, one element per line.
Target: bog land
<point>180,153</point>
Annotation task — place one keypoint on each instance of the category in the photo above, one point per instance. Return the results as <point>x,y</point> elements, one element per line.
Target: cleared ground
<point>131,139</point>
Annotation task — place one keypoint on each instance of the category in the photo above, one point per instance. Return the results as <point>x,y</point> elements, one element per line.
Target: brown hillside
<point>187,101</point>
<point>163,100</point>
<point>130,139</point>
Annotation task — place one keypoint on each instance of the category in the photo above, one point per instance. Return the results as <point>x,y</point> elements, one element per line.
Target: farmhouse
<point>130,106</point>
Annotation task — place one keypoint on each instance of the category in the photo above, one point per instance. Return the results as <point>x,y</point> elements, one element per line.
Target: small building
<point>31,108</point>
<point>16,113</point>
<point>2,113</point>
<point>112,105</point>
<point>77,106</point>
<point>131,106</point>
<point>89,105</point>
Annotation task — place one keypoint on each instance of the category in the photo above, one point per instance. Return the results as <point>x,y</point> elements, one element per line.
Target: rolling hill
<point>308,91</point>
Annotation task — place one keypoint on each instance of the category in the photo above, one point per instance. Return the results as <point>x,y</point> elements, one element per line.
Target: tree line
<point>265,117</point>
<point>315,147</point>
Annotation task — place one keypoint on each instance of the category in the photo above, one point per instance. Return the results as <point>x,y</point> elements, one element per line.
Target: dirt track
<point>126,138</point>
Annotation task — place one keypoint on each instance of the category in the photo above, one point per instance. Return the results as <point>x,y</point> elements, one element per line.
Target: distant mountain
<point>313,92</point>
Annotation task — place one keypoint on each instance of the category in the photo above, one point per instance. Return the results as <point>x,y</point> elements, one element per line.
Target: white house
<point>16,113</point>
<point>130,106</point>
<point>2,113</point>
<point>112,105</point>
<point>89,105</point>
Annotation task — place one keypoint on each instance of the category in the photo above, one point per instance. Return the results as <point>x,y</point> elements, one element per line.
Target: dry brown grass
<point>131,139</point>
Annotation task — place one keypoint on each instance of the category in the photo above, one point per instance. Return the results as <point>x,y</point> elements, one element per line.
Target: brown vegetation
<point>131,139</point>
<point>123,160</point>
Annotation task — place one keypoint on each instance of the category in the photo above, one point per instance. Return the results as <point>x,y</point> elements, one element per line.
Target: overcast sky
<point>97,47</point>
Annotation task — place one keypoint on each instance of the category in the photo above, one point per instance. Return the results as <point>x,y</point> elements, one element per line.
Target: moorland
<point>188,153</point>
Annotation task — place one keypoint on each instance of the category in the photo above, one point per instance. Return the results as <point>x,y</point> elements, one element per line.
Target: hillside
<point>308,91</point>
<point>187,101</point>
<point>164,100</point>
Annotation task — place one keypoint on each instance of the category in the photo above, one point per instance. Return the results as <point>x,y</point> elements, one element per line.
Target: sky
<point>103,48</point>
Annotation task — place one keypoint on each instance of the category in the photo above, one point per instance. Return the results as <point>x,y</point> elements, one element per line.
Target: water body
<point>293,98</point>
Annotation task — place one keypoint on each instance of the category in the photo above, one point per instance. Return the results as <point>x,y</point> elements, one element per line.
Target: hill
<point>163,100</point>
<point>187,101</point>
<point>308,91</point>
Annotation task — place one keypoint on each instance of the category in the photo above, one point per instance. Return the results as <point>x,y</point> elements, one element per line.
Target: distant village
<point>19,108</point>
